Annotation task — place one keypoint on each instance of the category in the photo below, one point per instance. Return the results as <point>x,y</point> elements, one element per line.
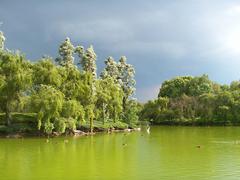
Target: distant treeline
<point>60,95</point>
<point>190,100</point>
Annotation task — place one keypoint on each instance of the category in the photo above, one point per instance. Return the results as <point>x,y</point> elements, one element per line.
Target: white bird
<point>148,129</point>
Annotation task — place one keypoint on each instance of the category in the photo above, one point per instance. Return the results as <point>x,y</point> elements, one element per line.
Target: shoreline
<point>76,133</point>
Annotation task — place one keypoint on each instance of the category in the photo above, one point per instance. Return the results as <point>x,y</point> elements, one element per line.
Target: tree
<point>88,61</point>
<point>47,102</point>
<point>66,51</point>
<point>131,115</point>
<point>235,85</point>
<point>73,109</point>
<point>103,98</point>
<point>126,79</point>
<point>207,105</point>
<point>15,72</point>
<point>2,40</point>
<point>72,82</point>
<point>111,70</point>
<point>150,111</point>
<point>199,85</point>
<point>190,86</point>
<point>109,99</point>
<point>64,96</point>
<point>115,104</point>
<point>175,87</point>
<point>90,115</point>
<point>45,72</point>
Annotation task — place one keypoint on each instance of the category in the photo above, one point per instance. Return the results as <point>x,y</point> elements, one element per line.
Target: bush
<point>120,125</point>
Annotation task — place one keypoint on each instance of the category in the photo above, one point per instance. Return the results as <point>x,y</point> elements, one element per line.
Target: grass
<point>18,128</point>
<point>99,126</point>
<point>21,123</point>
<point>19,118</point>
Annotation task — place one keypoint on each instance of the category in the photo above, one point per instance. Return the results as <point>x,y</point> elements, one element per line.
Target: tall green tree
<point>66,52</point>
<point>87,59</point>
<point>109,99</point>
<point>126,79</point>
<point>15,72</point>
<point>88,62</point>
<point>110,70</point>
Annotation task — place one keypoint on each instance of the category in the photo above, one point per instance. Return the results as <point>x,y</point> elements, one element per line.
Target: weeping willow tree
<point>46,72</point>
<point>47,102</point>
<point>15,73</point>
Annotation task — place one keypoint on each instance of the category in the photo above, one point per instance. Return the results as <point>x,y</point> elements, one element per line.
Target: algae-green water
<point>165,153</point>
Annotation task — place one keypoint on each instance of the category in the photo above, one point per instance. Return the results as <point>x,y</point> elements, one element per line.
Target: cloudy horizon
<point>161,39</point>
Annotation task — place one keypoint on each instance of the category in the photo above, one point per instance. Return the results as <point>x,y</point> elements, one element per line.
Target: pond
<point>165,153</point>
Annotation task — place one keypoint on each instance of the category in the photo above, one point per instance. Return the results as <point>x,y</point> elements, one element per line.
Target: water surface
<point>165,153</point>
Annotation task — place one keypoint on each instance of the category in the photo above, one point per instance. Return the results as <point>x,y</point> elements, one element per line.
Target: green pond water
<point>166,153</point>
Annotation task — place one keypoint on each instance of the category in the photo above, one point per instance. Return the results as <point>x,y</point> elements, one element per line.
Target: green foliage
<point>120,125</point>
<point>131,113</point>
<point>60,125</point>
<point>111,70</point>
<point>15,78</point>
<point>126,78</point>
<point>194,100</point>
<point>175,87</point>
<point>87,59</point>
<point>71,124</point>
<point>109,99</point>
<point>48,127</point>
<point>45,72</point>
<point>62,97</point>
<point>191,86</point>
<point>47,102</point>
<point>66,51</point>
<point>90,115</point>
<point>73,84</point>
<point>73,109</point>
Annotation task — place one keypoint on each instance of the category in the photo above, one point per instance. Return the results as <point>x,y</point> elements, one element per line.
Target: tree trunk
<point>124,103</point>
<point>91,125</point>
<point>115,115</point>
<point>103,109</point>
<point>8,115</point>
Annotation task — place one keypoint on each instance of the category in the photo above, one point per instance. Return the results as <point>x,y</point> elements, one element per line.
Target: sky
<point>162,39</point>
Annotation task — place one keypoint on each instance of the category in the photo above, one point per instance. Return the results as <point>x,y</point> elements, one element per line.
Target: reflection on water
<point>165,153</point>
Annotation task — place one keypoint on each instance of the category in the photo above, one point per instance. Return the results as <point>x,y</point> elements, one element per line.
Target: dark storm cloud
<point>162,39</point>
